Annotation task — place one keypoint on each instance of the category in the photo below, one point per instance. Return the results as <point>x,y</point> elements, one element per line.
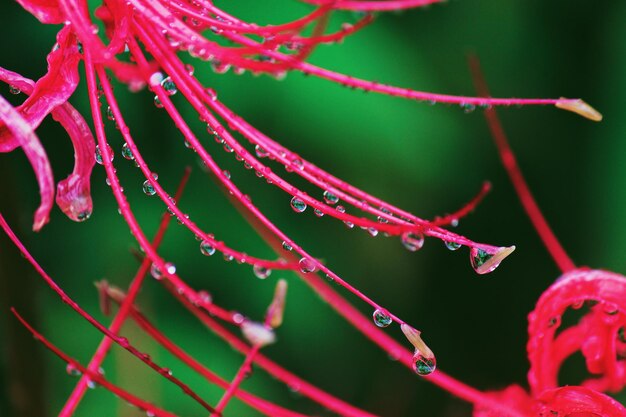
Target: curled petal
<point>578,402</point>
<point>596,335</point>
<point>29,142</point>
<point>47,11</point>
<point>74,192</point>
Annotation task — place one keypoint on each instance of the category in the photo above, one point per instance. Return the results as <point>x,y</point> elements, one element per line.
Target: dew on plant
<point>381,318</point>
<point>298,205</point>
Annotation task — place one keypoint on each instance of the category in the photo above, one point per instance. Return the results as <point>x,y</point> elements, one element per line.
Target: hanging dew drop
<point>330,198</point>
<point>484,261</point>
<point>206,248</point>
<point>423,365</point>
<point>157,102</point>
<point>412,241</point>
<point>381,318</point>
<point>148,189</point>
<point>298,205</point>
<point>260,152</point>
<point>169,86</point>
<point>261,272</point>
<point>287,246</point>
<point>307,265</point>
<point>318,212</point>
<point>127,153</point>
<point>14,90</point>
<point>98,154</point>
<point>452,245</point>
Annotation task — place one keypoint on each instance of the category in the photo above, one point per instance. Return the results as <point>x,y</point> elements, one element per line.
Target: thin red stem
<point>507,156</point>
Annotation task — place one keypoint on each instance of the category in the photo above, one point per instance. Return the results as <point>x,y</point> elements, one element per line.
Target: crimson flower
<point>140,48</point>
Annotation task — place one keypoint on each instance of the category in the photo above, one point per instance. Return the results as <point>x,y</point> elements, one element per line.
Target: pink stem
<point>98,357</point>
<point>529,203</point>
<point>95,376</point>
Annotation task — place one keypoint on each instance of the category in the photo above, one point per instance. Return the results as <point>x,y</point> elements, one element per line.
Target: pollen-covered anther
<point>580,107</point>
<point>257,334</point>
<point>276,310</point>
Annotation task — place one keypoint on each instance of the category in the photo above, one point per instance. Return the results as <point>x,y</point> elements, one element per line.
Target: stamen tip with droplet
<point>580,107</point>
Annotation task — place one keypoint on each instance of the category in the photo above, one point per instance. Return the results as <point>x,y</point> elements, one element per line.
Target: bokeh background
<point>427,159</point>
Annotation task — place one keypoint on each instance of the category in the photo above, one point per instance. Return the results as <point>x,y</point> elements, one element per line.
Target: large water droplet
<point>381,318</point>
<point>330,198</point>
<point>260,152</point>
<point>484,261</point>
<point>423,365</point>
<point>206,248</point>
<point>127,153</point>
<point>298,205</point>
<point>261,272</point>
<point>169,86</point>
<point>98,155</point>
<point>306,265</point>
<point>452,245</point>
<point>412,241</point>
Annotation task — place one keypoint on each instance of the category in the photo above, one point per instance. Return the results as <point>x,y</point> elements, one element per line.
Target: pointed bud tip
<point>276,310</point>
<point>580,107</point>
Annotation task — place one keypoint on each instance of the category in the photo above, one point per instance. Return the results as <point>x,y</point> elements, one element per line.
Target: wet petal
<point>36,154</point>
<point>47,11</point>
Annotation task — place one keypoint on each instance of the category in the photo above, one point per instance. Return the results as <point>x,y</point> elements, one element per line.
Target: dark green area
<point>426,159</point>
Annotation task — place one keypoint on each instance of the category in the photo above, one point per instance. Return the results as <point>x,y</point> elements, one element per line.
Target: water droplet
<point>372,231</point>
<point>148,189</point>
<point>330,198</point>
<point>157,102</point>
<point>156,272</point>
<point>72,370</point>
<point>169,86</point>
<point>423,365</point>
<point>83,215</point>
<point>318,212</point>
<point>127,153</point>
<point>484,262</point>
<point>206,248</point>
<point>14,90</point>
<point>98,155</point>
<point>110,114</point>
<point>381,318</point>
<point>226,174</point>
<point>189,68</point>
<point>228,258</point>
<point>298,205</point>
<point>205,297</point>
<point>468,107</point>
<point>260,152</point>
<point>261,272</point>
<point>451,245</point>
<point>287,246</point>
<point>412,241</point>
<point>307,265</point>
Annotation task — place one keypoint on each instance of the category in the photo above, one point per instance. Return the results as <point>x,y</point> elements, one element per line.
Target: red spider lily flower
<point>154,31</point>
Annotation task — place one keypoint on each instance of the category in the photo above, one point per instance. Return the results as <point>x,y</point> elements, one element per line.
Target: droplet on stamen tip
<point>424,362</point>
<point>381,318</point>
<point>484,262</point>
<point>580,107</point>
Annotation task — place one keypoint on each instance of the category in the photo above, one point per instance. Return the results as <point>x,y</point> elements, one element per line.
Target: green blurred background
<point>427,159</point>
